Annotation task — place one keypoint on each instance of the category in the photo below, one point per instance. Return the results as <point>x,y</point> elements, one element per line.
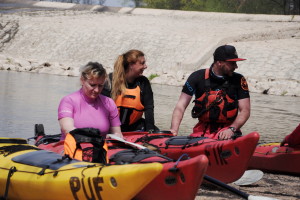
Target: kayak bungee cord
<point>174,168</point>
<point>11,171</point>
<point>7,150</point>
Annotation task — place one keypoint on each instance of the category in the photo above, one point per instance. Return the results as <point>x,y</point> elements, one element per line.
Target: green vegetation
<point>289,7</point>
<point>152,76</point>
<point>9,60</point>
<point>283,93</point>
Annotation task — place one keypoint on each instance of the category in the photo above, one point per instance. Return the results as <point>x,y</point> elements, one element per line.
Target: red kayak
<point>228,159</point>
<point>179,179</point>
<point>271,157</point>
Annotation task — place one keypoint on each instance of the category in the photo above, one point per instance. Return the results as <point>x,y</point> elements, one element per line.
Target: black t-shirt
<point>146,98</point>
<point>195,84</point>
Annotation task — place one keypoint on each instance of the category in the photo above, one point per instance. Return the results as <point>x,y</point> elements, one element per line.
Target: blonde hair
<point>93,70</point>
<point>120,69</point>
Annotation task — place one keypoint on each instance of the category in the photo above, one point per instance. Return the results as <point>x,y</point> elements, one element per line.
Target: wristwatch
<point>233,129</point>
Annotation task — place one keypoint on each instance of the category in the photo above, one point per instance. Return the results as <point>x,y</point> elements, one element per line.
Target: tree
<point>233,6</point>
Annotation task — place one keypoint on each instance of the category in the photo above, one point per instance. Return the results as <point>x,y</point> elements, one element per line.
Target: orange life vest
<point>86,144</point>
<point>215,106</point>
<point>130,106</point>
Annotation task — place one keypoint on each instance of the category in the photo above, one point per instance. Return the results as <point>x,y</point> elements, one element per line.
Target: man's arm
<point>243,116</point>
<point>178,112</point>
<point>244,113</point>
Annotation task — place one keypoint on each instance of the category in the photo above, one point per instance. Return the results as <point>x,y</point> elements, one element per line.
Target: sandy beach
<point>62,37</point>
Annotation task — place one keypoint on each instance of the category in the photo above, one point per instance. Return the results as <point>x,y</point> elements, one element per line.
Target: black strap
<point>7,150</point>
<point>137,156</point>
<point>149,137</point>
<point>48,139</point>
<point>13,141</point>
<point>92,136</point>
<point>183,141</point>
<point>11,171</point>
<point>43,159</point>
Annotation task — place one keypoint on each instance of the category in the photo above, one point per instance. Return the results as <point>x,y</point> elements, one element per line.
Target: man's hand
<point>175,133</point>
<point>226,134</point>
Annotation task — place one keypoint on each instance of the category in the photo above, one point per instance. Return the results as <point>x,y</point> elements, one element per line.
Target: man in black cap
<point>222,100</point>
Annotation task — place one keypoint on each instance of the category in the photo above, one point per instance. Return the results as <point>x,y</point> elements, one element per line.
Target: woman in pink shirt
<point>87,108</point>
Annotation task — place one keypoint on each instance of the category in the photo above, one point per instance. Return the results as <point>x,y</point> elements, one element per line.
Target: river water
<point>29,98</point>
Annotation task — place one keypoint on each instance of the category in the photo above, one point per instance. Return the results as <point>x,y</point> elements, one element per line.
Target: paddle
<point>236,191</point>
<point>249,177</point>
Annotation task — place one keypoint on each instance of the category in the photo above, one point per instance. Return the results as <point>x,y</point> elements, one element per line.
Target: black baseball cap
<point>226,53</point>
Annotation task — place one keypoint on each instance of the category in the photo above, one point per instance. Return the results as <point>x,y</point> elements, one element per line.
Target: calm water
<point>29,98</point>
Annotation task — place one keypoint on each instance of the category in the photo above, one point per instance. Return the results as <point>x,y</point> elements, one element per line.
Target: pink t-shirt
<point>101,113</point>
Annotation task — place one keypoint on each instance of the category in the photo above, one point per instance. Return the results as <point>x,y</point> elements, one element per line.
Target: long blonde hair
<point>121,67</point>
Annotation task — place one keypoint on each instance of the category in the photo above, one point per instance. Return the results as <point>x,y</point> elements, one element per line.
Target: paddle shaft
<point>223,185</point>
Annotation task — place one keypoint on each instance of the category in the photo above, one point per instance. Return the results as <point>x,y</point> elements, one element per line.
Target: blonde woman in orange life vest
<point>132,92</point>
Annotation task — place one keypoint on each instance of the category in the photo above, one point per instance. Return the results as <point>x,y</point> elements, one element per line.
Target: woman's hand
<point>117,131</point>
<point>119,135</point>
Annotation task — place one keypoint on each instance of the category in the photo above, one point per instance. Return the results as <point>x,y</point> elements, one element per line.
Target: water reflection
<point>29,98</point>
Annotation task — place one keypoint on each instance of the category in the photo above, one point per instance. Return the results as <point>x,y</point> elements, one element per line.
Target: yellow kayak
<point>29,173</point>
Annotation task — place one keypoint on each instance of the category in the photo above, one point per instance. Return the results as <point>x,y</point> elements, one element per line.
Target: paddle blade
<point>250,197</point>
<point>249,177</point>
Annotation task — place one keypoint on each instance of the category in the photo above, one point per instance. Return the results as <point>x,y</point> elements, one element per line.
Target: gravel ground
<point>285,187</point>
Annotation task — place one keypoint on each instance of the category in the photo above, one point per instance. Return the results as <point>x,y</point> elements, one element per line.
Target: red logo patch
<point>244,84</point>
